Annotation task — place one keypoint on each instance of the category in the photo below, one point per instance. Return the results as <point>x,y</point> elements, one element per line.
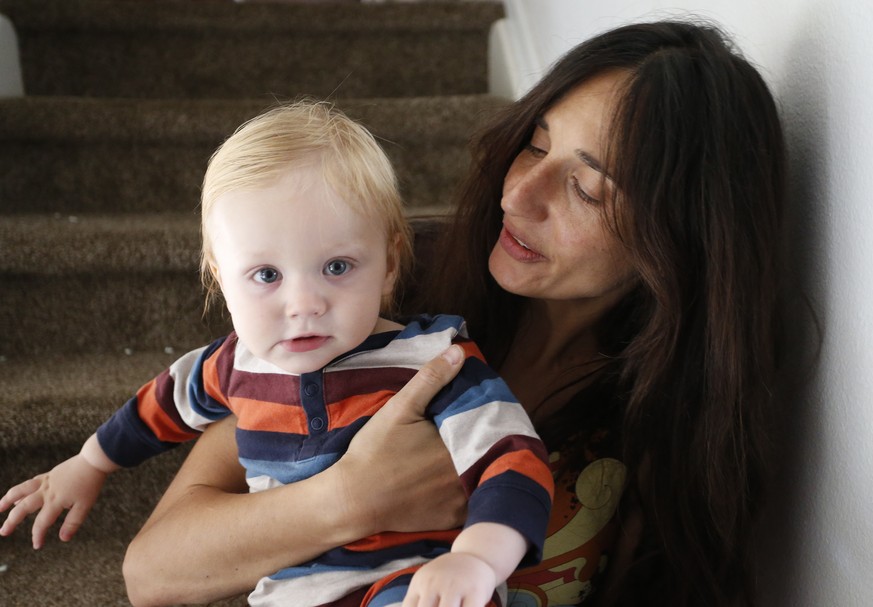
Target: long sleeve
<point>171,409</point>
<point>502,463</point>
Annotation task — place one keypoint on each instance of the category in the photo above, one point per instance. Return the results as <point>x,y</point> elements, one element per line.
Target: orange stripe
<point>389,539</point>
<point>210,380</point>
<point>268,417</point>
<point>471,350</point>
<point>523,462</point>
<point>348,410</point>
<point>379,585</point>
<point>150,412</point>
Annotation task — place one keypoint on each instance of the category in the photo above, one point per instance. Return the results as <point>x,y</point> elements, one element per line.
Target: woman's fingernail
<point>454,355</point>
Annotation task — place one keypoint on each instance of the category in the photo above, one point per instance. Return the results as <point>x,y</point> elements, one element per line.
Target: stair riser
<point>114,177</point>
<point>100,313</point>
<point>244,65</point>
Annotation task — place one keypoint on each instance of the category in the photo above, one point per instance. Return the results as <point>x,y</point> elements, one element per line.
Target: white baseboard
<point>514,64</point>
<point>11,83</point>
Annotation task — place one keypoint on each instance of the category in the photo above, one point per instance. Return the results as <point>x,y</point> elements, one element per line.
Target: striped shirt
<point>292,426</point>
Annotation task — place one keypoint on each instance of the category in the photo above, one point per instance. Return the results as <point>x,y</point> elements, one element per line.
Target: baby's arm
<point>142,428</point>
<point>72,485</point>
<point>482,557</point>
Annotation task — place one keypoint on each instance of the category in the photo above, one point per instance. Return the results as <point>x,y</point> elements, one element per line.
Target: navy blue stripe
<point>127,440</point>
<point>341,557</point>
<point>285,446</point>
<point>514,500</point>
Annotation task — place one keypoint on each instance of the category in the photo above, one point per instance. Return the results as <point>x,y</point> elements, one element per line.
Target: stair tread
<point>58,243</point>
<point>64,574</point>
<point>53,388</point>
<point>124,155</point>
<point>223,15</point>
<point>89,379</point>
<point>55,244</point>
<point>54,118</point>
<point>61,400</point>
<point>170,48</point>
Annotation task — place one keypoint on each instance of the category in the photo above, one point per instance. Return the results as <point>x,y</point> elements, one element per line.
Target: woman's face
<point>555,243</point>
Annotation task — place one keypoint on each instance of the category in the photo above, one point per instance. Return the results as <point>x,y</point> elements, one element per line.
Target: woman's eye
<point>534,150</point>
<point>267,275</point>
<point>336,267</point>
<point>581,193</point>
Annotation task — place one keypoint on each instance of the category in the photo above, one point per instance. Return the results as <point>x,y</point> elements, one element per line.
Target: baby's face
<point>302,274</point>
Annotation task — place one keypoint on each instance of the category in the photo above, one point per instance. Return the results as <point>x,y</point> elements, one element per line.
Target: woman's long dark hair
<point>696,151</point>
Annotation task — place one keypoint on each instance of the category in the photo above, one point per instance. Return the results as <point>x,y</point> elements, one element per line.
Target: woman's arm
<point>208,539</point>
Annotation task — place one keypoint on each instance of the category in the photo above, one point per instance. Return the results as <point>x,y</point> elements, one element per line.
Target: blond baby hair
<point>352,164</point>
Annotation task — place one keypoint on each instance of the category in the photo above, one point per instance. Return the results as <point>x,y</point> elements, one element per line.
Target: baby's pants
<point>387,592</point>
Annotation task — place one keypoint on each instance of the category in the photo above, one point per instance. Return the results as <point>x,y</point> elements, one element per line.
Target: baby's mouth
<point>305,343</point>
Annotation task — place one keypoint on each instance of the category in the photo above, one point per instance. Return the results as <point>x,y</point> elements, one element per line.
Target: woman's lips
<point>516,248</point>
<point>304,344</point>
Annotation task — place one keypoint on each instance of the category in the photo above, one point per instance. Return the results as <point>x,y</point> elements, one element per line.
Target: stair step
<point>60,400</point>
<point>52,245</point>
<point>102,285</point>
<point>66,574</point>
<point>50,404</point>
<point>78,285</point>
<point>77,155</point>
<point>82,573</point>
<point>212,48</point>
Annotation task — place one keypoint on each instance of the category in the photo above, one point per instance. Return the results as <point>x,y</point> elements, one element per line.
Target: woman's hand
<point>396,476</point>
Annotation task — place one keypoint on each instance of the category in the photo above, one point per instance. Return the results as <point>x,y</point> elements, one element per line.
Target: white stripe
<point>318,588</point>
<point>405,353</point>
<point>262,483</point>
<point>244,360</point>
<point>180,371</point>
<point>470,434</point>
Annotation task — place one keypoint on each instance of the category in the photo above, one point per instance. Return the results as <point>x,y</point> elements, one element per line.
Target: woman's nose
<point>527,190</point>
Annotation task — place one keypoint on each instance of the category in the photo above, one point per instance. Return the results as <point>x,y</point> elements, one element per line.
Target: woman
<point>615,252</point>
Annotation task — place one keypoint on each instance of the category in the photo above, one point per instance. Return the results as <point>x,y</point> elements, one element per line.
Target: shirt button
<point>310,389</point>
<point>317,423</point>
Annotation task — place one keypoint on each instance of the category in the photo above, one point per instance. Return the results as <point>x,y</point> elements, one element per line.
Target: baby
<point>304,237</point>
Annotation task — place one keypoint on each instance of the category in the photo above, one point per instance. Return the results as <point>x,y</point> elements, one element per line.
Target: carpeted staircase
<point>100,167</point>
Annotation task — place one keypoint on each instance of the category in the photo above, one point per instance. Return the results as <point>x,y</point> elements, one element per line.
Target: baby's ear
<point>393,266</point>
<point>215,286</point>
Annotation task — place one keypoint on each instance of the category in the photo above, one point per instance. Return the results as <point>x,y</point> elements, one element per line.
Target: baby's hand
<point>71,485</point>
<point>454,579</point>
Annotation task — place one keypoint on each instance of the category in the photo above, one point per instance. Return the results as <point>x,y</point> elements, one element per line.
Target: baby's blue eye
<point>267,275</point>
<point>336,267</point>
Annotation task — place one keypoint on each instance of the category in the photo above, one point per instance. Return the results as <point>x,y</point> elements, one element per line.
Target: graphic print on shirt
<point>582,524</point>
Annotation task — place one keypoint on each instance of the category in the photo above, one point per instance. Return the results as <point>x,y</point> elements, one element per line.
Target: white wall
<point>817,56</point>
<point>10,71</point>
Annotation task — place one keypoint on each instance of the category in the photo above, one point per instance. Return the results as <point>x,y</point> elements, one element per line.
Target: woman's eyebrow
<point>582,155</point>
<point>594,163</point>
<point>589,160</point>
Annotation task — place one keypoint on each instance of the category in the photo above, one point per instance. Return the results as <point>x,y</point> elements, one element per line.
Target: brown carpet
<point>100,168</point>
